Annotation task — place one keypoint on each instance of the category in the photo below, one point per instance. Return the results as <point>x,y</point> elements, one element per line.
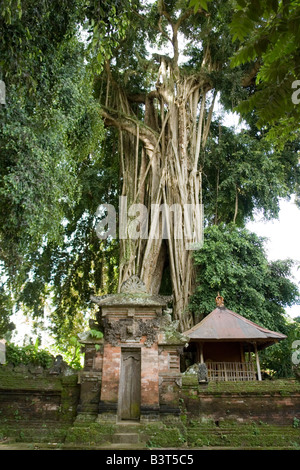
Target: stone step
<point>125,438</point>
<point>128,426</point>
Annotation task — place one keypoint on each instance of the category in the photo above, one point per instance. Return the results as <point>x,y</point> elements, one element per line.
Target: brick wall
<point>149,376</point>
<point>273,402</point>
<point>111,373</point>
<point>37,398</point>
<point>54,399</point>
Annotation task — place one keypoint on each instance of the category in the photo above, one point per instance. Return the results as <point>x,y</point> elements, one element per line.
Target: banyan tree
<point>161,106</point>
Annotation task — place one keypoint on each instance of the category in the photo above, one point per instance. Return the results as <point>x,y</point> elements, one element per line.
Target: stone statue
<point>202,373</point>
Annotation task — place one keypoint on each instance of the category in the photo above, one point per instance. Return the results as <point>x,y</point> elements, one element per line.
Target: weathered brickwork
<point>273,402</point>
<point>110,373</point>
<point>141,355</point>
<point>26,397</point>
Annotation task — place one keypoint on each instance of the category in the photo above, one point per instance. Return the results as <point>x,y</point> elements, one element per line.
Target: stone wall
<point>29,397</point>
<point>270,401</point>
<point>43,408</point>
<point>35,404</point>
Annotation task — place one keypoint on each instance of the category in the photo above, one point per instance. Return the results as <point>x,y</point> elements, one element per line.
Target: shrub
<point>28,354</point>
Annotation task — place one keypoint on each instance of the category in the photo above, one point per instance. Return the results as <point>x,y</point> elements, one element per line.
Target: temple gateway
<point>133,373</point>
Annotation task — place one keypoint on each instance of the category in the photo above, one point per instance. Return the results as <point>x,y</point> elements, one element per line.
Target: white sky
<point>283,239</point>
<point>282,233</point>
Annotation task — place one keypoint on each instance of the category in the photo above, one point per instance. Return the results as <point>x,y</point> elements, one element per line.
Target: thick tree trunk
<point>161,164</point>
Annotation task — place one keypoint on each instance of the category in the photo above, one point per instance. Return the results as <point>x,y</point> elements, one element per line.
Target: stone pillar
<point>90,377</point>
<point>150,383</point>
<point>170,345</point>
<point>108,405</point>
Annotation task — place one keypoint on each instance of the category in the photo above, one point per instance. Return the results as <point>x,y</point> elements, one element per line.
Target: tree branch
<point>147,135</point>
<point>249,79</point>
<point>141,97</point>
<point>183,17</point>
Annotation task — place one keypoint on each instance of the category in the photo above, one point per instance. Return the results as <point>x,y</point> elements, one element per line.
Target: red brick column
<point>111,373</point>
<point>149,376</point>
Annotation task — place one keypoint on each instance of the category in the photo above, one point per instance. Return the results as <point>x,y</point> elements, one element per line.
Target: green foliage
<point>105,24</point>
<point>233,261</point>
<point>72,353</point>
<point>270,36</point>
<point>58,163</point>
<point>41,148</point>
<point>50,166</point>
<point>96,334</point>
<point>296,423</point>
<point>197,4</point>
<point>244,173</point>
<point>54,171</point>
<point>278,358</point>
<point>30,354</point>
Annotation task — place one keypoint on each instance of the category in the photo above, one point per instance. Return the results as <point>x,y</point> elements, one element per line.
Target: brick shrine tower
<point>133,373</point>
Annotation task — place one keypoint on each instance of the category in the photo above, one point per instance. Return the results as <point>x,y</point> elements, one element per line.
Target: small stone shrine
<point>133,372</point>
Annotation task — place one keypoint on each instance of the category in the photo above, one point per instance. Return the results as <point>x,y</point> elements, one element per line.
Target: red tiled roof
<point>223,324</point>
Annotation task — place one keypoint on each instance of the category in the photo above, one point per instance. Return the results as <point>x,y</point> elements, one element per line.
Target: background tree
<point>242,173</point>
<point>269,35</point>
<point>160,144</point>
<point>233,261</point>
<point>49,138</point>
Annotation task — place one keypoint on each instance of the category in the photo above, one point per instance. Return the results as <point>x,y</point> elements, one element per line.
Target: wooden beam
<point>200,353</point>
<point>242,352</point>
<point>257,362</point>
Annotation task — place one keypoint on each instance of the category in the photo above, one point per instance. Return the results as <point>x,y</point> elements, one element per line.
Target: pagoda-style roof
<point>133,293</point>
<point>223,324</point>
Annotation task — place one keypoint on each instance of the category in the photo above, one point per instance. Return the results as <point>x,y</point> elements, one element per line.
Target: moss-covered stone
<point>37,399</point>
<point>189,380</point>
<point>242,435</point>
<point>284,387</point>
<point>160,435</point>
<point>36,432</point>
<point>91,435</point>
<point>43,409</point>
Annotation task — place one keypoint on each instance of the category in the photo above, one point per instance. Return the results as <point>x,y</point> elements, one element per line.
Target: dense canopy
<point>118,98</point>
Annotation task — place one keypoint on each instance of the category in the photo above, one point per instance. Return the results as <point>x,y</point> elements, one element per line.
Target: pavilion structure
<point>227,342</point>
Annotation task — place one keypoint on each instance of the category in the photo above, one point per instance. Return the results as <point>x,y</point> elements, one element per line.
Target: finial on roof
<point>219,300</point>
<point>133,285</point>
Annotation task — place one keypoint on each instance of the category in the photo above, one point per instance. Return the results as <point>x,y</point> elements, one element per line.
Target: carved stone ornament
<point>130,329</point>
<point>133,285</point>
<point>202,373</point>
